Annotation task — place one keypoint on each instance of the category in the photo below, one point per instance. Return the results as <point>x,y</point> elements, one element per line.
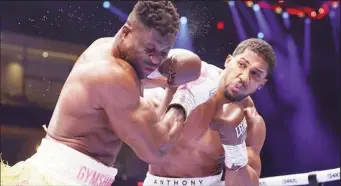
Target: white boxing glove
<point>156,73</point>
<point>194,93</point>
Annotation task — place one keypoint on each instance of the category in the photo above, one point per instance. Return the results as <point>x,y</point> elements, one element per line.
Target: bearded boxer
<point>226,131</point>
<point>100,105</point>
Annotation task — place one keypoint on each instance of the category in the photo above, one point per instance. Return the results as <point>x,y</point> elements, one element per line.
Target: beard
<point>233,97</point>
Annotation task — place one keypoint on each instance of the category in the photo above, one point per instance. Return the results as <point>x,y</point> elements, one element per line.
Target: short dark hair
<point>159,15</point>
<point>260,47</point>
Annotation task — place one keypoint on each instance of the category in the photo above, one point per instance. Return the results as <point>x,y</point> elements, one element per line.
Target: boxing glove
<point>233,132</point>
<point>180,67</point>
<point>194,93</point>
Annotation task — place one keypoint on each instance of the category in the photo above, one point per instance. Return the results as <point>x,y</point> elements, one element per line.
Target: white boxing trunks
<point>57,164</point>
<point>152,180</point>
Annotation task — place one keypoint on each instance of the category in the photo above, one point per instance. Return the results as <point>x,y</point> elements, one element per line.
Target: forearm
<point>170,131</point>
<point>245,176</point>
<point>153,142</point>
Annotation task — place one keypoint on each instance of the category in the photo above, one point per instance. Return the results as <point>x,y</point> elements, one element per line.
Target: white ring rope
<point>302,179</point>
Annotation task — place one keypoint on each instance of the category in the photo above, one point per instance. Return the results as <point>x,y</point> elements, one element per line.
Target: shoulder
<point>251,112</point>
<point>117,73</point>
<point>247,102</point>
<point>115,85</point>
<point>99,49</point>
<point>102,40</point>
<point>211,70</point>
<point>105,41</point>
<point>105,76</point>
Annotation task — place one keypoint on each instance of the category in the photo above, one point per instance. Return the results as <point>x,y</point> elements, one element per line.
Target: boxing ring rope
<point>312,178</point>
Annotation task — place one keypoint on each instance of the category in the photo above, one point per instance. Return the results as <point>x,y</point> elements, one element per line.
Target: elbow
<point>162,151</point>
<point>159,151</point>
<point>157,156</point>
<point>153,156</point>
<point>164,148</point>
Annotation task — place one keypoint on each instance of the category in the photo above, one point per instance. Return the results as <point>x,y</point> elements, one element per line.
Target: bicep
<point>120,103</point>
<point>130,117</point>
<point>135,126</point>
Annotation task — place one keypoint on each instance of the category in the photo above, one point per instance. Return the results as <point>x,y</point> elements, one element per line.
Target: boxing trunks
<point>152,180</point>
<point>57,164</point>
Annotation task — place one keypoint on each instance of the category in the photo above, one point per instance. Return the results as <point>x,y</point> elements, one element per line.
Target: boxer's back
<point>76,121</point>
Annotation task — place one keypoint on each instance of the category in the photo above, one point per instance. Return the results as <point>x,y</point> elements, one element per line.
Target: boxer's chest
<point>222,115</point>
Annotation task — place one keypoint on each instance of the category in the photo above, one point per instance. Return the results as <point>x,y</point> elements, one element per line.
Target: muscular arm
<point>132,119</point>
<point>249,175</point>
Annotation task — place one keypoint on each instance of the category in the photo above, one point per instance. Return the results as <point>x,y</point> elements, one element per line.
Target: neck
<point>220,99</point>
<point>115,48</point>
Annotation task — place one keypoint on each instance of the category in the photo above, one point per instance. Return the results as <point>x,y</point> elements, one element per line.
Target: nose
<point>156,59</point>
<point>244,78</point>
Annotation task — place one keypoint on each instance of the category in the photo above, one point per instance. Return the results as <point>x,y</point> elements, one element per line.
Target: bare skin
<point>200,149</point>
<point>199,152</point>
<point>100,107</point>
<point>77,121</point>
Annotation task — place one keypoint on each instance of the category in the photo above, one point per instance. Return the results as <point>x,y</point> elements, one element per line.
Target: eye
<point>148,50</point>
<point>241,64</point>
<point>255,74</point>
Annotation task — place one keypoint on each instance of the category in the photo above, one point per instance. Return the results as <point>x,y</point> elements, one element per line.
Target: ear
<point>261,86</point>
<point>228,59</point>
<point>126,29</point>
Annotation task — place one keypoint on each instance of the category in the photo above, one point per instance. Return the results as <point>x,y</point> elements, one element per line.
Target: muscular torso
<point>77,122</point>
<point>199,152</point>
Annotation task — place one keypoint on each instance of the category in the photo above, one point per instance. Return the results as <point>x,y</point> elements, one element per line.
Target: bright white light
<point>256,7</point>
<point>183,20</point>
<point>106,4</point>
<point>45,54</point>
<point>285,15</point>
<point>232,3</point>
<point>260,35</point>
